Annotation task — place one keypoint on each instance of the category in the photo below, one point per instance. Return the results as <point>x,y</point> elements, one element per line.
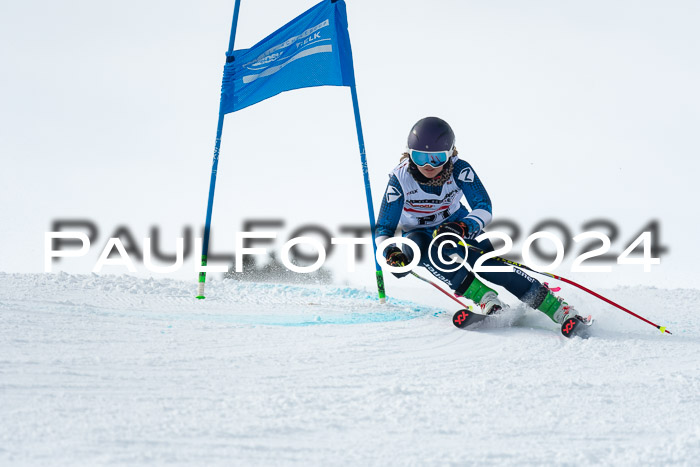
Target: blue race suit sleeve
<point>474,192</point>
<point>390,211</point>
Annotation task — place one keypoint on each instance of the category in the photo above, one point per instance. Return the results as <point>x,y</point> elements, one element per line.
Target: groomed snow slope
<point>118,370</point>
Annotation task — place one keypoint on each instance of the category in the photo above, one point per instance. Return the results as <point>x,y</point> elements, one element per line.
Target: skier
<point>423,195</point>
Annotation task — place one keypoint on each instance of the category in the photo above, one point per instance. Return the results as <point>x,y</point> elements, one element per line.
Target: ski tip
<point>576,327</point>
<point>462,317</point>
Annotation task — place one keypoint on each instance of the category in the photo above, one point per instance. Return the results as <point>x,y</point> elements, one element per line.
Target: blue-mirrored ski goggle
<point>434,159</point>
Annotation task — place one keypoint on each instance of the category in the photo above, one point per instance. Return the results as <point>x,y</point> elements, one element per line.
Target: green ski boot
<point>481,294</point>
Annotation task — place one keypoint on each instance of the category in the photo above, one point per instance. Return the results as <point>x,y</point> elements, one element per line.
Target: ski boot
<point>483,296</point>
<point>572,323</point>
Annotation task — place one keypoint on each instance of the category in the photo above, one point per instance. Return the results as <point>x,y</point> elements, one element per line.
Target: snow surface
<point>119,370</point>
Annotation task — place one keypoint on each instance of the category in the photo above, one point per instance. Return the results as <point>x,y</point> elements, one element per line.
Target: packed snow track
<point>120,370</point>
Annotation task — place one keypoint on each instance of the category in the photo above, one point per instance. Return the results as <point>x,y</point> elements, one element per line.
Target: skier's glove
<point>397,258</point>
<point>467,229</point>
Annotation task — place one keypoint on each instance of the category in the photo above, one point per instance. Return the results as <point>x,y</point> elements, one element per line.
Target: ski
<point>577,326</point>
<point>465,318</point>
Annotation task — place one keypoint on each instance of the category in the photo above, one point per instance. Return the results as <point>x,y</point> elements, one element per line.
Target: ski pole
<point>439,288</point>
<point>563,279</point>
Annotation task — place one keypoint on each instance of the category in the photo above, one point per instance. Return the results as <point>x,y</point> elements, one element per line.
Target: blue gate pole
<point>368,191</point>
<point>215,163</point>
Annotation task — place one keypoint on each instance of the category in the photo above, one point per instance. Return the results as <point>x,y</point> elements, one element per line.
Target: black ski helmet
<point>431,134</point>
